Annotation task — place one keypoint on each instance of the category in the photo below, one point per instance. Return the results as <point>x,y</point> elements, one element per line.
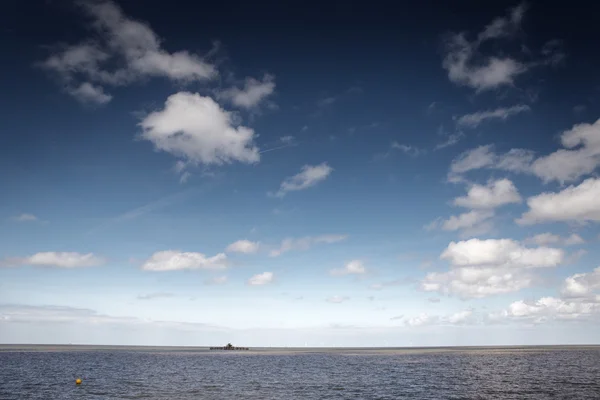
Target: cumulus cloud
<point>308,176</point>
<point>480,268</point>
<point>547,238</point>
<point>494,194</point>
<point>252,94</point>
<point>582,285</point>
<point>25,218</point>
<point>57,259</point>
<point>243,246</point>
<point>120,51</point>
<point>198,130</point>
<point>305,243</point>
<point>579,300</point>
<point>482,199</point>
<point>572,204</point>
<point>337,299</point>
<point>475,119</point>
<point>261,279</point>
<point>354,267</point>
<point>580,157</point>
<point>173,260</point>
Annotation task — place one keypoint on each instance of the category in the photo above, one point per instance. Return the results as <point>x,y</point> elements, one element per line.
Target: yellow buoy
<point>78,381</point>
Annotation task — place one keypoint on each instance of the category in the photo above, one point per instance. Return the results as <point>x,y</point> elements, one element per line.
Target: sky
<point>299,174</point>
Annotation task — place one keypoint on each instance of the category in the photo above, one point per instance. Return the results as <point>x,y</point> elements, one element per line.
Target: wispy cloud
<point>309,176</point>
<point>337,299</point>
<point>467,65</point>
<point>173,260</point>
<point>25,218</point>
<point>120,51</point>
<point>305,243</point>
<point>475,119</point>
<point>164,202</point>
<point>156,295</point>
<point>243,246</point>
<point>217,280</point>
<point>56,259</point>
<point>354,267</point>
<point>252,94</point>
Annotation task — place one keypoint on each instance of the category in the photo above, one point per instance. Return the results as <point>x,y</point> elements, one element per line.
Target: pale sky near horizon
<point>273,175</point>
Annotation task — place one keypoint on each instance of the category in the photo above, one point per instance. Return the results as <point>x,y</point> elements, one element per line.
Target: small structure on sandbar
<point>229,347</point>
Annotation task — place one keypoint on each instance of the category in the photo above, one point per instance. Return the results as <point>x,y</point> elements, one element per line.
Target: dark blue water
<point>483,374</point>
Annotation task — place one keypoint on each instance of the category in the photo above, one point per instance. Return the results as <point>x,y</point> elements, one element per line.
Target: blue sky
<point>279,177</point>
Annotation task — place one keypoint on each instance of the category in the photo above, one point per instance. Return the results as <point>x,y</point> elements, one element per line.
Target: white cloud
<point>252,94</point>
<point>353,267</point>
<point>477,158</point>
<point>469,220</point>
<point>582,285</point>
<point>475,119</point>
<point>574,239</point>
<point>433,299</point>
<point>308,176</point>
<point>579,300</point>
<point>157,295</point>
<point>580,157</point>
<point>289,139</point>
<point>482,200</point>
<point>490,72</point>
<point>305,243</point>
<point>243,246</point>
<point>547,238</point>
<point>573,204</point>
<point>451,140</point>
<point>500,253</point>
<point>217,280</point>
<point>19,313</point>
<point>121,51</point>
<point>420,320</point>
<point>25,218</point>
<point>494,194</point>
<point>504,26</point>
<point>172,260</point>
<point>407,149</point>
<point>88,93</point>
<point>551,308</point>
<point>57,260</point>
<point>467,65</point>
<point>261,279</point>
<point>395,282</point>
<point>337,299</point>
<point>198,130</point>
<point>515,160</point>
<point>480,268</point>
<point>459,317</point>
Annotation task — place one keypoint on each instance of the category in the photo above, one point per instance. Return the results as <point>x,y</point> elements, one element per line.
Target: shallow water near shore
<point>122,372</point>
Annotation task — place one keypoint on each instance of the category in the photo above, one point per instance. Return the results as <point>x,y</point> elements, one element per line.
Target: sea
<point>50,372</point>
